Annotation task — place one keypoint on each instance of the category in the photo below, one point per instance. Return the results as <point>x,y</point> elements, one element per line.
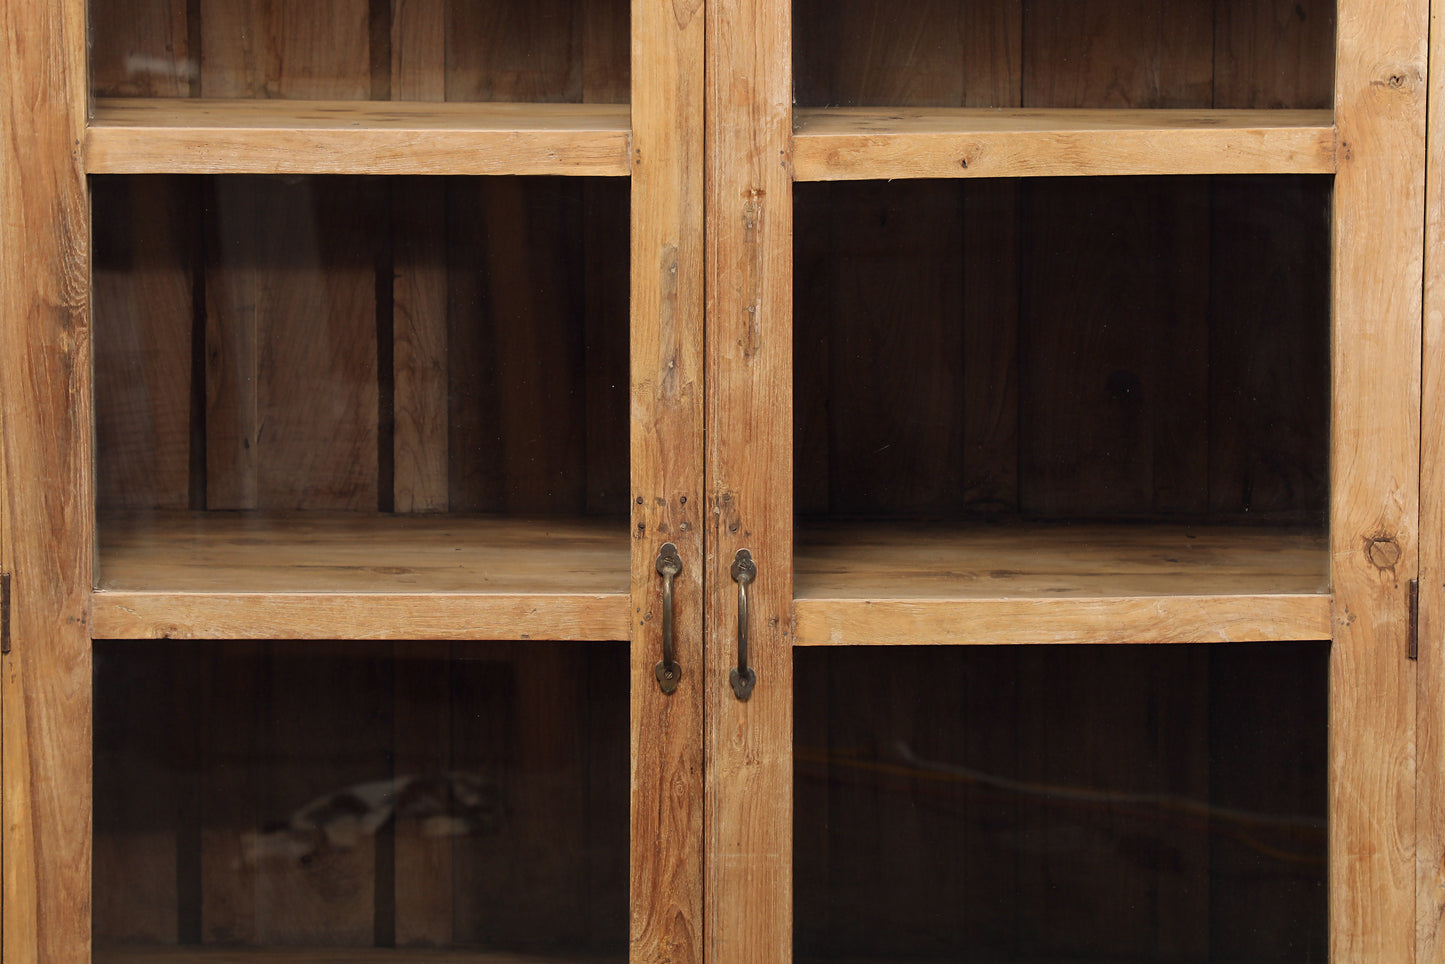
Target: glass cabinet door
<point>1078,538</point>
<point>366,623</point>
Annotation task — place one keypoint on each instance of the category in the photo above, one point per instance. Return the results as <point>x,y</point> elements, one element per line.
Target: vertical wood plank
<point>316,49</point>
<point>46,426</point>
<point>666,405</point>
<point>419,287</point>
<point>1430,754</point>
<point>292,359</point>
<point>1117,53</point>
<point>1273,53</point>
<point>143,295</point>
<point>234,708</point>
<point>327,728</point>
<point>749,478</point>
<point>1375,474</point>
<point>140,49</point>
<point>1114,339</point>
<point>422,747</point>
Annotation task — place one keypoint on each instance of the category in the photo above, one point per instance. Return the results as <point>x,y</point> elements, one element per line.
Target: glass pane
<point>302,348</point>
<point>1064,53</point>
<point>1081,804</point>
<point>1152,349</point>
<point>498,50</point>
<point>353,795</point>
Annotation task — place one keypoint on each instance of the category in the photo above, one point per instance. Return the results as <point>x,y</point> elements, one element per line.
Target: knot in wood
<point>1384,552</point>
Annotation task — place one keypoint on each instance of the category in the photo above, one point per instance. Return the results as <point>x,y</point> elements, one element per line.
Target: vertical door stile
<point>749,479</point>
<point>1430,728</point>
<point>1375,470</point>
<point>45,409</point>
<point>666,397</point>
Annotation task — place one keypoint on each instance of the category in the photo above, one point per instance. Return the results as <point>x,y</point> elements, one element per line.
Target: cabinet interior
<point>1048,803</point>
<point>361,795</point>
<point>497,50</point>
<point>1061,54</point>
<point>1060,387</point>
<point>273,352</point>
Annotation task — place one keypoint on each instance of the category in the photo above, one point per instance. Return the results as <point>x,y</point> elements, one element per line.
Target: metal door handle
<point>744,572</point>
<point>669,566</point>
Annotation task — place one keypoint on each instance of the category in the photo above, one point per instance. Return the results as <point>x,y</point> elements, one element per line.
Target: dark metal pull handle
<point>669,566</point>
<point>744,572</point>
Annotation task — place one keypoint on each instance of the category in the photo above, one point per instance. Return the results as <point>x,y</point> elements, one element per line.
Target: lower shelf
<point>230,575</point>
<point>141,953</point>
<point>871,583</point>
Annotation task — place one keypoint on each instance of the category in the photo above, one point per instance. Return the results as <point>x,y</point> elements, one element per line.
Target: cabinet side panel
<point>45,368</point>
<point>1379,245</point>
<point>1430,809</point>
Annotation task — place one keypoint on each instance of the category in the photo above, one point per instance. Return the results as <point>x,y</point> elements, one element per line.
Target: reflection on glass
<point>492,50</point>
<point>1081,804</point>
<point>360,795</point>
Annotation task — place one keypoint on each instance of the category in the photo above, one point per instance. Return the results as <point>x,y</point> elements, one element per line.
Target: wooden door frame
<point>46,436</point>
<point>1378,239</point>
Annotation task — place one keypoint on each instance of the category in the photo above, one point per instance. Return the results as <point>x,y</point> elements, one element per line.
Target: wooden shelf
<point>144,953</point>
<point>839,144</point>
<point>207,136</point>
<point>907,584</point>
<point>227,575</point>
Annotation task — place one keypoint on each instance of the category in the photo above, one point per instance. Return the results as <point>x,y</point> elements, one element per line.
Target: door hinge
<point>1414,618</point>
<point>4,612</point>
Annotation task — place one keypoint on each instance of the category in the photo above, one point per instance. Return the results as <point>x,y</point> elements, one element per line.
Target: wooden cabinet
<point>1010,410</point>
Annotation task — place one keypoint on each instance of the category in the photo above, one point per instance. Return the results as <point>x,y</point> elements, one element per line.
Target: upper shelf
<point>210,136</point>
<point>245,575</point>
<point>869,583</point>
<point>858,143</point>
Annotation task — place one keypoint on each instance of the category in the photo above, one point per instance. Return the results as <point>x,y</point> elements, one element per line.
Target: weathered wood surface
<point>47,517</point>
<point>1379,244</point>
<point>667,499</point>
<point>862,142</point>
<point>143,136</point>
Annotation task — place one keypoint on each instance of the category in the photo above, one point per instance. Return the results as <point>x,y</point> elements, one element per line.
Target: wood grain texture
<point>143,290</point>
<point>1430,719</point>
<point>666,409</point>
<point>145,136</point>
<point>1375,475</point>
<point>291,408</point>
<point>748,748</point>
<point>46,431</point>
<point>1117,53</point>
<point>419,288</point>
<point>325,576</point>
<point>859,143</point>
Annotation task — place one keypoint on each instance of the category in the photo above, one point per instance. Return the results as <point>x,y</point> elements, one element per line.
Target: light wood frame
<point>1376,147</point>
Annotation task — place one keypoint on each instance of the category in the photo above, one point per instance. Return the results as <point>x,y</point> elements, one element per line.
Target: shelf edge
<point>1122,619</point>
<point>137,614</point>
<point>870,152</point>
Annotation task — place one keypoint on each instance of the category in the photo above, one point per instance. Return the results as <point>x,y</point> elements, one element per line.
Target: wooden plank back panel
<point>141,49</point>
<point>1273,53</point>
<point>286,49</point>
<point>1113,348</point>
<point>144,291</point>
<point>1270,256</point>
<point>291,407</point>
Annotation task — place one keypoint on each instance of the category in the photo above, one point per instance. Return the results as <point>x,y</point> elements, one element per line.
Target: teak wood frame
<point>1378,236</point>
<point>1384,849</point>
